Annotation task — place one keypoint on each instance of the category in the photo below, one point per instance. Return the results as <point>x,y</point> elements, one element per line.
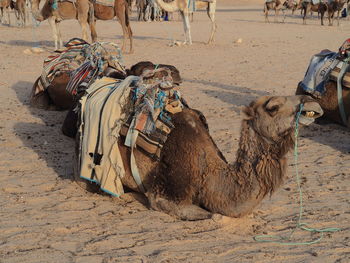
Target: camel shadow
<point>49,144</point>
<point>330,134</point>
<point>25,43</point>
<point>43,135</point>
<point>235,95</point>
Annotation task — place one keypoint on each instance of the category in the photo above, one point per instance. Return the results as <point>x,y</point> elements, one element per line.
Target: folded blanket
<point>318,72</point>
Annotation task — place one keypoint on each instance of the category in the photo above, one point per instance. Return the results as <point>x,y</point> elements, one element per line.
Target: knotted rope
<point>300,225</point>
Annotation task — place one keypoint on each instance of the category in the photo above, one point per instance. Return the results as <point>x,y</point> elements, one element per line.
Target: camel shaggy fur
<point>183,7</point>
<point>193,180</point>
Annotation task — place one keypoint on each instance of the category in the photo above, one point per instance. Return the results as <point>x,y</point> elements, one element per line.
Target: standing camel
<point>119,10</point>
<point>5,5</point>
<point>80,10</point>
<point>335,6</point>
<point>83,11</point>
<point>20,11</point>
<point>183,7</point>
<point>273,5</point>
<point>307,7</point>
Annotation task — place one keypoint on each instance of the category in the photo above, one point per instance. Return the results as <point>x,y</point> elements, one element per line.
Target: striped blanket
<point>68,60</point>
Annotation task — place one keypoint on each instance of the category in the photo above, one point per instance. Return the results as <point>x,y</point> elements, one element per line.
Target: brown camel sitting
<point>83,11</point>
<point>192,180</point>
<point>307,7</point>
<point>273,5</point>
<point>335,6</point>
<point>56,97</point>
<point>50,90</point>
<point>329,102</point>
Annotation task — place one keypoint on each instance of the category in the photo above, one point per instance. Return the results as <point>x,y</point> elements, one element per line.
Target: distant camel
<point>121,11</point>
<point>20,11</point>
<point>273,5</point>
<point>307,7</point>
<point>5,5</point>
<point>84,11</point>
<point>291,4</point>
<point>80,10</point>
<point>335,6</point>
<point>183,7</point>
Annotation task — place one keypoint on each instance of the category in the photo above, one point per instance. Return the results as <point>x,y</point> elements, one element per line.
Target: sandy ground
<point>45,217</point>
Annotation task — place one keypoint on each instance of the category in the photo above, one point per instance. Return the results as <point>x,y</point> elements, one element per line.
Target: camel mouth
<point>310,112</point>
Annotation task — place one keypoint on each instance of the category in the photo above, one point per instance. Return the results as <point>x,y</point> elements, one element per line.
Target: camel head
<point>274,118</point>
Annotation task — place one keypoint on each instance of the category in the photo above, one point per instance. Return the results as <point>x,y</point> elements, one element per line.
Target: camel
<point>335,6</point>
<point>329,102</point>
<point>273,5</point>
<point>5,5</point>
<point>291,4</point>
<point>56,97</point>
<point>193,181</point>
<point>121,11</point>
<point>183,7</point>
<point>20,11</point>
<point>83,11</point>
<point>80,10</point>
<point>307,7</point>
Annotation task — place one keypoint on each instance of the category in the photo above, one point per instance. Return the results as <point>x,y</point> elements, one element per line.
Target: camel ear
<point>248,111</point>
<point>273,105</point>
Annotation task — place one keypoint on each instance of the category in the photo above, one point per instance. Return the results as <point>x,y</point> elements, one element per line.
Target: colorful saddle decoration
<point>137,110</point>
<point>81,60</point>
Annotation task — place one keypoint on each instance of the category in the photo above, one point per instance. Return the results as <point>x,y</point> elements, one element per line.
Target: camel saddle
<point>138,111</point>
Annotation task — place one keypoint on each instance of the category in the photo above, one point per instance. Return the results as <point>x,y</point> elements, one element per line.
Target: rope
<point>300,225</point>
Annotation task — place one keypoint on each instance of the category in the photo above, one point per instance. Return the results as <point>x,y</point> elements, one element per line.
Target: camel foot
<point>184,212</point>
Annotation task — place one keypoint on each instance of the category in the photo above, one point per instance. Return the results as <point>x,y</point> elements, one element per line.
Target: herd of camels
<point>333,8</point>
<point>191,180</point>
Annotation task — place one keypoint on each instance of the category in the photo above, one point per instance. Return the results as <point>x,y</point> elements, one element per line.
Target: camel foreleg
<point>55,32</point>
<point>187,27</point>
<point>211,14</point>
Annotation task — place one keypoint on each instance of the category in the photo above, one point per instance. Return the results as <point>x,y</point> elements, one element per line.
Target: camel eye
<point>272,110</point>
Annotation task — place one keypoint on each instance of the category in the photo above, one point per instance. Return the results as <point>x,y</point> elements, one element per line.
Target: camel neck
<point>262,160</point>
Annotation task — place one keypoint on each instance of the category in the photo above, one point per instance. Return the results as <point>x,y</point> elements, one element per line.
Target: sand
<point>45,217</point>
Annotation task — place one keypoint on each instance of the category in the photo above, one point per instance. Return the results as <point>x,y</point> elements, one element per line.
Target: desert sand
<point>46,217</point>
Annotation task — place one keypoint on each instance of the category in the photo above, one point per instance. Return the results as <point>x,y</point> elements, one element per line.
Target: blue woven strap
<point>343,69</point>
